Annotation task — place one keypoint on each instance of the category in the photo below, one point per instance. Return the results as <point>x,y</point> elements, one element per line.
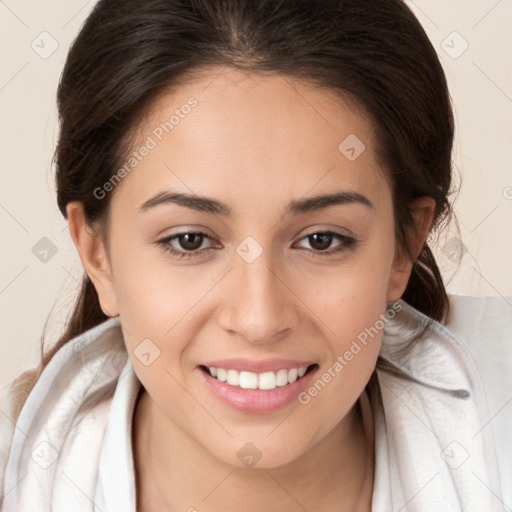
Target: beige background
<point>481,86</point>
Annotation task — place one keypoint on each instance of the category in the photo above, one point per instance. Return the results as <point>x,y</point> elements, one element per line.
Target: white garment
<point>435,440</point>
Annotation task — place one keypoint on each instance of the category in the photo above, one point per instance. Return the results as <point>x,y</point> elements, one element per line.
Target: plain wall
<point>40,269</point>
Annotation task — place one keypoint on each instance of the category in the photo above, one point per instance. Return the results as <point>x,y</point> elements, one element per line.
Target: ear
<point>91,248</point>
<point>422,211</point>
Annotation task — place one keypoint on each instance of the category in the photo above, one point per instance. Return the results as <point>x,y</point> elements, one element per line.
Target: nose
<point>261,306</point>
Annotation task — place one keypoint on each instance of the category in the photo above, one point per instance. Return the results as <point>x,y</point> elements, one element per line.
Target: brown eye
<point>191,241</point>
<point>326,243</point>
<point>320,241</point>
<point>185,245</point>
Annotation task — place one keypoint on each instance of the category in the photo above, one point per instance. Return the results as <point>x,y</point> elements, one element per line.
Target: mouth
<point>265,381</point>
<point>257,393</point>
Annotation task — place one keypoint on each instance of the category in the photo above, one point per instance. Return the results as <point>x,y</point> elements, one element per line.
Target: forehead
<point>235,134</point>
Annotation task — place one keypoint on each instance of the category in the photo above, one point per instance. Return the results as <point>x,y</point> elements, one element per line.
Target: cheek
<point>156,304</point>
<point>349,298</point>
<point>351,304</point>
<point>353,335</point>
<point>153,296</point>
<point>354,320</point>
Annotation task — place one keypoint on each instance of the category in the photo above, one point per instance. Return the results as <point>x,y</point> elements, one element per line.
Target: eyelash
<point>346,243</point>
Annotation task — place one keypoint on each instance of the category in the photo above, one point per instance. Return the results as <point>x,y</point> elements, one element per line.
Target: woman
<point>250,186</point>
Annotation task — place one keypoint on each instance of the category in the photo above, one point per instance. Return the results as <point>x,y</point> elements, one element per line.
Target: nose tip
<point>260,307</point>
<point>261,325</point>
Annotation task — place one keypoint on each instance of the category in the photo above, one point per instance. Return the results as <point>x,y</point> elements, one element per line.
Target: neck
<point>336,474</point>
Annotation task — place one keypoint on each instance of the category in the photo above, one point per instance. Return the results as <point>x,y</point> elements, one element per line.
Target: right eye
<point>185,245</point>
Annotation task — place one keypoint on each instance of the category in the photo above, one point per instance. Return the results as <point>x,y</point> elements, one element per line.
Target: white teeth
<point>248,380</point>
<point>233,378</point>
<point>292,375</point>
<point>263,381</point>
<point>282,378</point>
<point>267,380</point>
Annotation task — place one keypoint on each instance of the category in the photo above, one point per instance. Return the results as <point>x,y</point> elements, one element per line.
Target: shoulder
<point>6,432</point>
<point>451,379</point>
<point>484,326</point>
<point>468,313</point>
<point>12,399</point>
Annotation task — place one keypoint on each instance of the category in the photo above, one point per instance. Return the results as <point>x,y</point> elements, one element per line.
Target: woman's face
<point>292,262</point>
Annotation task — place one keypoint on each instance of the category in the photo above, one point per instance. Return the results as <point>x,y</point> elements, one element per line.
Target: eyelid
<point>326,228</point>
<point>334,234</point>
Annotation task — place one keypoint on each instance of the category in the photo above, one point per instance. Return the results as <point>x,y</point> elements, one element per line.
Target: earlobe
<point>93,254</point>
<point>399,275</point>
<point>422,210</point>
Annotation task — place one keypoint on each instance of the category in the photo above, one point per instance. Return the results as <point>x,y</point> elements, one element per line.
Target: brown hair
<point>372,51</point>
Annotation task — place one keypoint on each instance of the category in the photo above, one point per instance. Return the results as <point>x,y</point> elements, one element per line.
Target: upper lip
<point>262,366</point>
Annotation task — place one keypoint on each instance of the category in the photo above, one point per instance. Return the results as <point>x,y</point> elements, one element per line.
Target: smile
<point>257,387</point>
<point>265,381</point>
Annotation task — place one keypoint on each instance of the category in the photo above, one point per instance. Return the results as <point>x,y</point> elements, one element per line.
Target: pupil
<point>320,241</point>
<point>191,241</point>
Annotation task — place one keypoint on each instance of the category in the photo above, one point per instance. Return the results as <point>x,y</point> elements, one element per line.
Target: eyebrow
<point>208,205</point>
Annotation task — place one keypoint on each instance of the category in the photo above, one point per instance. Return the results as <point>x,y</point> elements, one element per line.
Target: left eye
<point>321,241</point>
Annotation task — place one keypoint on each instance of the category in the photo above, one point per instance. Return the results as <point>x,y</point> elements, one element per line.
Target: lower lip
<point>257,401</point>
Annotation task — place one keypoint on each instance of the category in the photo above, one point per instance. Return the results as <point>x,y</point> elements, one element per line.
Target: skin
<point>255,143</point>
